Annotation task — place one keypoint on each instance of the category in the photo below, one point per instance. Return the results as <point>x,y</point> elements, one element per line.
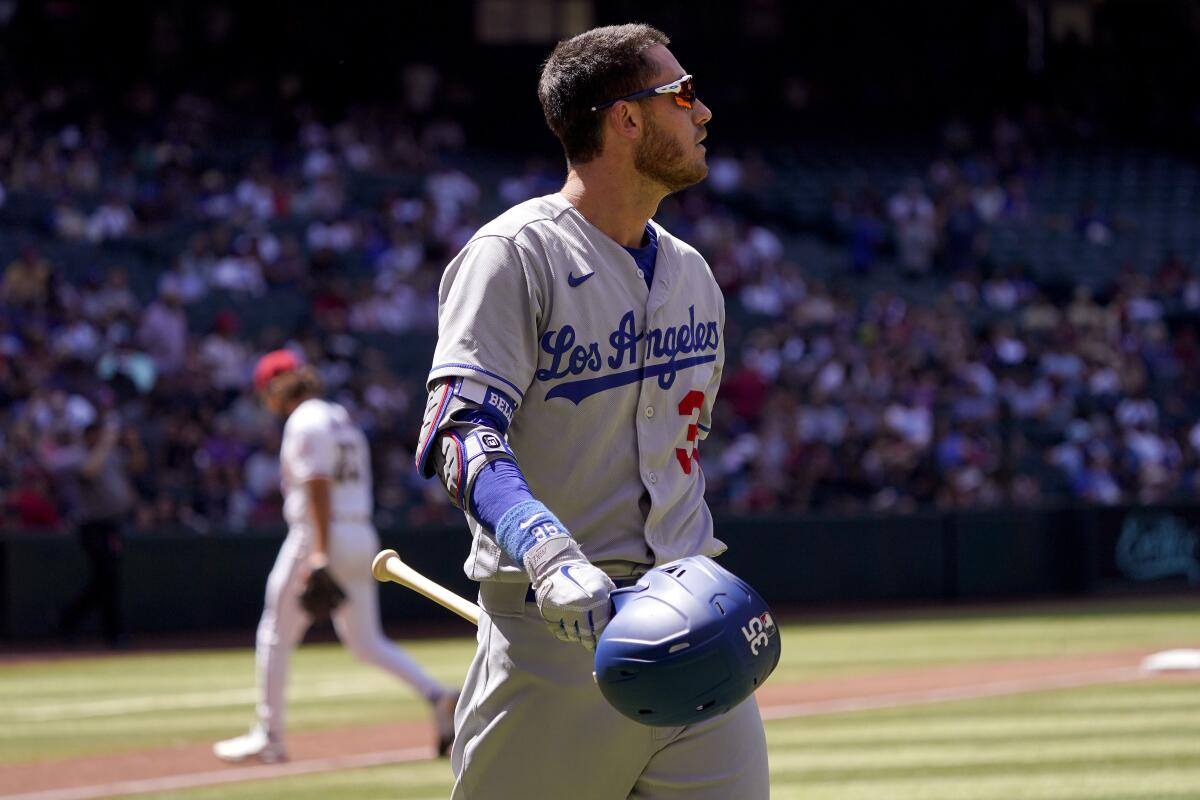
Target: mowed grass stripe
<point>158,700</point>
<point>970,758</point>
<point>191,673</point>
<point>1032,716</point>
<point>810,650</point>
<point>1123,764</point>
<point>174,698</point>
<point>952,752</point>
<point>1174,783</point>
<point>424,780</point>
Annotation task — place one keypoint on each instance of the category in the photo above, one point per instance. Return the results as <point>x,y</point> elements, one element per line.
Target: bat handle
<point>388,566</point>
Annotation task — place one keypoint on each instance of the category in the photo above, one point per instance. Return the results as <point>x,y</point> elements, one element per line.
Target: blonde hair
<point>295,385</point>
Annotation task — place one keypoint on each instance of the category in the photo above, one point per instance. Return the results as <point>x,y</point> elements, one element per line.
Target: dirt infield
<point>193,765</point>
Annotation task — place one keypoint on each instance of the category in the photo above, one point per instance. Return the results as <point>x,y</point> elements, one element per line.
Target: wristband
<point>525,525</point>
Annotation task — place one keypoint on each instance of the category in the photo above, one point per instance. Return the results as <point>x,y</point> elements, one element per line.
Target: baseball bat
<point>388,566</point>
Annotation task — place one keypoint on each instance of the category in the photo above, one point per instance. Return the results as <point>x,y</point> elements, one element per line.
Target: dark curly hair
<point>589,69</point>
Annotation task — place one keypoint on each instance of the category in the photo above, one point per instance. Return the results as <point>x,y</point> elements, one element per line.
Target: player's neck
<point>617,203</point>
<point>291,407</point>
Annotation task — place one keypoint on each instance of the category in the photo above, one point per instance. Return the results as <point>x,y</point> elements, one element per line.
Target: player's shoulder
<point>525,221</point>
<point>669,242</point>
<point>689,257</point>
<point>315,415</point>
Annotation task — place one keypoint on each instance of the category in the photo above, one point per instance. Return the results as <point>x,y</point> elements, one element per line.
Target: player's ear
<point>625,120</point>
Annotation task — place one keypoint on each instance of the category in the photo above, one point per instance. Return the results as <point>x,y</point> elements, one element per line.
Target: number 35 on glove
<point>321,594</point>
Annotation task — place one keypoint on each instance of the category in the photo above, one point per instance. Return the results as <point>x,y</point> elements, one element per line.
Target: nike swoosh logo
<point>566,572</point>
<point>571,279</point>
<point>528,522</point>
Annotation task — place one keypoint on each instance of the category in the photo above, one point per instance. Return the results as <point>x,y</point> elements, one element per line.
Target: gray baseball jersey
<point>608,387</point>
<point>613,381</point>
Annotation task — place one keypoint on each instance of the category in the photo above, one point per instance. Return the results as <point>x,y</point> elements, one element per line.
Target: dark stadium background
<point>873,70</point>
<point>825,111</point>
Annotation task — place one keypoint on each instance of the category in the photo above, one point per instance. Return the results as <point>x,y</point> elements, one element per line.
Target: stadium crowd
<point>149,262</point>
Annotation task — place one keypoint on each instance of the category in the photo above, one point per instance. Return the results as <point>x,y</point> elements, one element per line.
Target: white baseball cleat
<point>255,745</point>
<point>443,718</point>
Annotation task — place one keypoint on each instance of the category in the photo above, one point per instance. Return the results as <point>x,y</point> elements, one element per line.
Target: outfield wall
<point>175,581</point>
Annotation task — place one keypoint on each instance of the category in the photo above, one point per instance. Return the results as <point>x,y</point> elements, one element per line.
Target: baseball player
<point>579,352</point>
<point>324,566</point>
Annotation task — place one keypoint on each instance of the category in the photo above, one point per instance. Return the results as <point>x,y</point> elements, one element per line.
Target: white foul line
<point>968,692</point>
<point>785,711</point>
<point>120,706</point>
<point>196,780</point>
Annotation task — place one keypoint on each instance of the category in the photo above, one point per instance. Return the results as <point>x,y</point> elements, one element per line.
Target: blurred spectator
<point>30,504</point>
<point>226,357</point>
<point>112,220</point>
<point>239,271</point>
<point>163,332</point>
<point>914,226</point>
<point>27,281</point>
<point>185,280</point>
<point>110,299</point>
<point>987,378</point>
<point>106,503</point>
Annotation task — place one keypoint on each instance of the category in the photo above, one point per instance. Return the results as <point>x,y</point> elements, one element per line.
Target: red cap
<point>273,363</point>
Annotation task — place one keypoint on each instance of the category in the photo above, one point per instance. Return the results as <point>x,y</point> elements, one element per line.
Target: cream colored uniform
<point>320,441</point>
<point>611,385</point>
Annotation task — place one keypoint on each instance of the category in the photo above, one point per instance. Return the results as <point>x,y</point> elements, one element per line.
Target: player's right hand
<point>572,593</point>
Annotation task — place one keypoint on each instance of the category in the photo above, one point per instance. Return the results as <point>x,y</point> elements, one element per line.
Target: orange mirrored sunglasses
<point>684,90</point>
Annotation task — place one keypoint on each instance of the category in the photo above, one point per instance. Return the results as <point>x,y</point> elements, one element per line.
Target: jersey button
<point>649,412</point>
<point>653,478</point>
<point>641,274</point>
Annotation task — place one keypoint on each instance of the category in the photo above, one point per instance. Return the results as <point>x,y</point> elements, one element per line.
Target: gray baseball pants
<point>532,724</point>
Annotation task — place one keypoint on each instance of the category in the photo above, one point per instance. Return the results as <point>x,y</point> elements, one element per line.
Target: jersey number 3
<point>690,407</point>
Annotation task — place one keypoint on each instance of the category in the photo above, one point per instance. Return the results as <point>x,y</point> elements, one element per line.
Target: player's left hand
<point>572,593</point>
<point>321,594</point>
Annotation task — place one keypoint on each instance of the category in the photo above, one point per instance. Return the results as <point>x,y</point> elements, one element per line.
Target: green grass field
<point>1112,743</point>
<point>1139,740</point>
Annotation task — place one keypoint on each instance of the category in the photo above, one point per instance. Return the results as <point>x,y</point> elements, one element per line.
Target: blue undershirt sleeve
<point>502,501</point>
<point>499,486</point>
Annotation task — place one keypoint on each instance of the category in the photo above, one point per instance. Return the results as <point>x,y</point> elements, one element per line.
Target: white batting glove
<point>572,593</point>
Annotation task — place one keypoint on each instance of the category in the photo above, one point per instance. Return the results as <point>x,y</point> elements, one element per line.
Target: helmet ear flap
<point>689,641</point>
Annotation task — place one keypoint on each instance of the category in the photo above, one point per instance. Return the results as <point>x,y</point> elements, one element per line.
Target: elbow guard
<point>463,431</point>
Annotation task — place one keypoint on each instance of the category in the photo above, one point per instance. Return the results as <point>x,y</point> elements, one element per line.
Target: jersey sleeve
<point>488,313</point>
<point>311,453</point>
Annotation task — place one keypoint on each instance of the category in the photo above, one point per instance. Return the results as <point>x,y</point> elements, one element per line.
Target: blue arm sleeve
<point>503,503</point>
<point>498,487</point>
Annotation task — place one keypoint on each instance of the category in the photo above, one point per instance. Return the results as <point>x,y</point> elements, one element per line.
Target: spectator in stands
<point>106,503</point>
<point>163,331</point>
<point>30,504</point>
<point>27,281</point>
<point>914,225</point>
<point>992,388</point>
<point>113,219</point>
<point>225,355</point>
<point>866,235</point>
<point>239,271</point>
<point>185,280</point>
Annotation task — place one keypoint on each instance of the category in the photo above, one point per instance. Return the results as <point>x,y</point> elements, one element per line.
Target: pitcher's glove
<point>321,594</point>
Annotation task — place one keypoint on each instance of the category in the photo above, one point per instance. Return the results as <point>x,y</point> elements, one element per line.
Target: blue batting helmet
<point>690,640</point>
